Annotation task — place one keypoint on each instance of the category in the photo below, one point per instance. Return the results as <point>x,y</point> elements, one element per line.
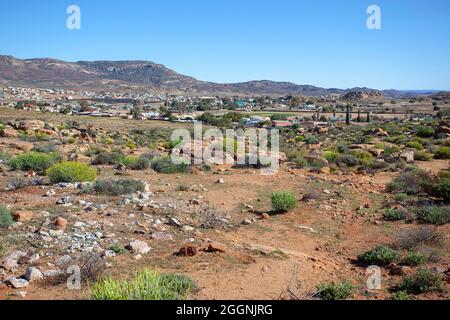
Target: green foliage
<point>147,285</point>
<point>34,161</point>
<point>422,156</point>
<point>347,160</point>
<point>400,197</point>
<point>331,156</point>
<point>108,158</point>
<point>414,145</point>
<point>117,249</point>
<point>5,218</point>
<point>411,182</point>
<point>165,165</point>
<point>394,215</point>
<point>401,296</point>
<point>422,281</point>
<point>137,163</point>
<point>413,259</point>
<point>335,291</point>
<point>381,256</point>
<point>118,187</point>
<point>441,187</point>
<point>283,201</point>
<point>364,157</point>
<point>433,215</point>
<point>442,153</point>
<point>300,162</point>
<point>71,172</point>
<point>425,132</point>
<point>311,140</point>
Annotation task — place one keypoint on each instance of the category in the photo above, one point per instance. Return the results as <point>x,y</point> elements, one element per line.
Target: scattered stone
<point>187,251</point>
<point>33,274</point>
<point>20,294</point>
<point>138,246</point>
<point>60,224</point>
<point>220,181</point>
<point>174,222</point>
<point>162,236</point>
<point>17,283</point>
<point>247,222</point>
<point>22,216</point>
<point>12,260</point>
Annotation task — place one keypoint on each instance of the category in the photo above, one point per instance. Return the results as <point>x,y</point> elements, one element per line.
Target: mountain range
<point>147,75</point>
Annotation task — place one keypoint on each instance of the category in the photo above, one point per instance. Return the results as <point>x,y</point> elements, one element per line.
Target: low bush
<point>381,256</point>
<point>422,156</point>
<point>411,182</point>
<point>143,162</point>
<point>117,249</point>
<point>311,140</point>
<point>165,165</point>
<point>419,237</point>
<point>48,147</point>
<point>283,201</point>
<point>16,183</point>
<point>335,291</point>
<point>71,172</point>
<point>347,160</point>
<point>331,156</point>
<point>108,158</point>
<point>5,218</point>
<point>34,161</point>
<point>300,162</point>
<point>118,187</point>
<point>425,132</point>
<point>413,259</point>
<point>422,281</point>
<point>441,187</point>
<point>401,295</point>
<point>147,285</point>
<point>394,215</point>
<point>414,145</point>
<point>433,215</point>
<point>442,153</point>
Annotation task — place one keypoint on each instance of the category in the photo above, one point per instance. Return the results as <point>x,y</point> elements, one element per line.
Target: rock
<point>396,270</point>
<point>17,283</point>
<point>247,222</point>
<point>22,216</point>
<point>20,294</point>
<point>174,222</point>
<point>187,251</point>
<point>408,156</point>
<point>63,261</point>
<point>317,160</point>
<point>52,273</point>
<point>138,246</point>
<point>9,132</point>
<point>188,228</point>
<point>32,125</point>
<point>162,236</point>
<point>137,257</point>
<point>33,274</point>
<point>12,260</point>
<point>50,193</point>
<point>214,247</point>
<point>60,223</point>
<point>265,216</point>
<point>220,181</point>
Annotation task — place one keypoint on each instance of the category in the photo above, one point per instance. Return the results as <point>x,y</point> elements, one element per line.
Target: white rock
<point>33,274</point>
<point>18,283</point>
<point>138,246</point>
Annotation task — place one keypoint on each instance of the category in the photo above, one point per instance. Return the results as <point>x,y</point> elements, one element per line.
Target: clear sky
<point>319,42</point>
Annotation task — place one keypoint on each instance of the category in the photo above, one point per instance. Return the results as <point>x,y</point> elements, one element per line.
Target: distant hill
<point>146,75</point>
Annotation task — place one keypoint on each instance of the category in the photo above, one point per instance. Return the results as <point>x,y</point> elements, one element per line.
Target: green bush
<point>71,172</point>
<point>34,161</point>
<point>422,156</point>
<point>118,187</point>
<point>442,153</point>
<point>422,281</point>
<point>414,145</point>
<point>5,218</point>
<point>108,158</point>
<point>413,259</point>
<point>283,201</point>
<point>411,182</point>
<point>165,165</point>
<point>335,291</point>
<point>300,162</point>
<point>136,163</point>
<point>400,197</point>
<point>425,132</point>
<point>381,256</point>
<point>117,249</point>
<point>347,160</point>
<point>364,157</point>
<point>394,215</point>
<point>331,156</point>
<point>433,215</point>
<point>311,140</point>
<point>441,188</point>
<point>147,285</point>
<point>401,295</point>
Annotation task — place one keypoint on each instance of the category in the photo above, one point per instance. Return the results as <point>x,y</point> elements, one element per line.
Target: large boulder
<point>32,125</point>
<point>138,246</point>
<point>9,132</point>
<point>408,156</point>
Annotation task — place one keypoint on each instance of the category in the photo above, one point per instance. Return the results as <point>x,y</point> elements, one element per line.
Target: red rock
<point>22,216</point>
<point>60,223</point>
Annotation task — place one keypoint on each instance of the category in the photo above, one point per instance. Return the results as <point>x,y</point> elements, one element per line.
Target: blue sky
<point>322,42</point>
